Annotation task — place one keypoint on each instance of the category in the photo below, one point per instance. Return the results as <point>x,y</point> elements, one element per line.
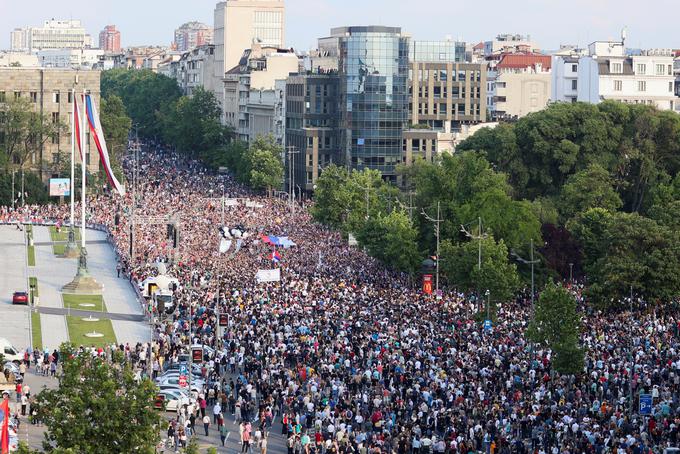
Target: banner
<point>60,186</point>
<point>4,425</point>
<point>427,284</point>
<point>268,275</point>
<point>225,244</point>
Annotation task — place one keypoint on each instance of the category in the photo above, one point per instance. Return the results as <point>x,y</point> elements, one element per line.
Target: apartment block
<point>54,34</point>
<point>523,84</point>
<point>51,93</point>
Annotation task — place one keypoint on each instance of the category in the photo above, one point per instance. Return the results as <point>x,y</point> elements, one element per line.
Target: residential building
<point>196,68</point>
<point>564,67</point>
<point>54,34</point>
<point>240,23</point>
<point>312,121</point>
<point>258,70</point>
<point>522,84</point>
<point>109,39</point>
<point>135,57</point>
<point>373,91</point>
<point>192,34</point>
<point>69,58</point>
<point>50,91</point>
<point>505,43</point>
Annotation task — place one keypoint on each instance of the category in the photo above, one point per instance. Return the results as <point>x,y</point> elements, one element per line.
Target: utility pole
<point>571,269</point>
<point>23,193</point>
<point>13,193</point>
<point>291,172</point>
<point>222,204</point>
<point>479,237</point>
<point>531,262</point>
<point>410,206</point>
<point>436,223</point>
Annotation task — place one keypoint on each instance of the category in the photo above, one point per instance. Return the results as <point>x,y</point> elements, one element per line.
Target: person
<point>217,412</point>
<point>263,445</point>
<point>24,404</point>
<point>245,437</point>
<point>206,424</point>
<point>224,432</point>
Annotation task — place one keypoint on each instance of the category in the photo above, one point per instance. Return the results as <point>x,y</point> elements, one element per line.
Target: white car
<point>174,398</point>
<point>196,385</point>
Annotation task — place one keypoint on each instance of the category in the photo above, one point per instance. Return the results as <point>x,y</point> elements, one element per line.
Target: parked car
<point>196,368</point>
<point>10,352</point>
<point>196,384</point>
<point>20,298</point>
<point>173,398</point>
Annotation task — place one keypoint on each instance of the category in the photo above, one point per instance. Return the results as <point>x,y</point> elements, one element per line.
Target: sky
<point>650,23</point>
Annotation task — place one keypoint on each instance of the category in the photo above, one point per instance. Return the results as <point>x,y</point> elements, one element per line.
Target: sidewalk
<point>13,262</point>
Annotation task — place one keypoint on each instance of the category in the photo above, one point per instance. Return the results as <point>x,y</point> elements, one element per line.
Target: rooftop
<point>525,60</point>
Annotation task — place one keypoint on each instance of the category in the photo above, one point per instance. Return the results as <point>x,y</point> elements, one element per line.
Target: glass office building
<point>437,51</point>
<point>373,92</point>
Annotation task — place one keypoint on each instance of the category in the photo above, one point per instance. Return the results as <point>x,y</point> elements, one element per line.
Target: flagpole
<point>83,165</point>
<point>73,157</point>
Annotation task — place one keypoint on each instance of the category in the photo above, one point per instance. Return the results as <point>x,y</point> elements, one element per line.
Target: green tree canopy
<point>116,125</point>
<point>99,408</point>
<point>392,239</point>
<point>588,188</point>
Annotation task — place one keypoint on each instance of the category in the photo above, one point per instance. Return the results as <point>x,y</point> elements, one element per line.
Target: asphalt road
<point>14,320</point>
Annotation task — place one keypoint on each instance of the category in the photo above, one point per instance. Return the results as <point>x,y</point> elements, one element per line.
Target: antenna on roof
<point>624,35</point>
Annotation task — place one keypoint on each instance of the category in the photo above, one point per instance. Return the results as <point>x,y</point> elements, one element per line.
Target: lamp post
<point>571,269</point>
<point>479,237</point>
<point>436,221</point>
<point>531,262</point>
<point>488,303</point>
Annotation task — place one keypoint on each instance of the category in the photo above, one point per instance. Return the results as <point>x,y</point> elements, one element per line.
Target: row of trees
<point>191,124</point>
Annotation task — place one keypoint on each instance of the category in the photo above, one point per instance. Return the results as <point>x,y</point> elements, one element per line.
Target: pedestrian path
<point>54,330</point>
<point>13,277</point>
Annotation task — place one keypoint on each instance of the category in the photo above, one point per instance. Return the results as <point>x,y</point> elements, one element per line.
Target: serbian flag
<point>4,426</point>
<point>276,258</point>
<point>98,135</point>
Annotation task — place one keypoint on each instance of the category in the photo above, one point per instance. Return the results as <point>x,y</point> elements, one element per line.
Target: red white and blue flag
<point>4,425</point>
<point>276,258</point>
<point>98,136</point>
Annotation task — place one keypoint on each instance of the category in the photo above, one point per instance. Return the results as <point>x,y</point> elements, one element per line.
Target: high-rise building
<point>373,91</point>
<point>239,23</point>
<point>54,34</point>
<point>192,34</point>
<point>109,39</point>
<point>50,91</point>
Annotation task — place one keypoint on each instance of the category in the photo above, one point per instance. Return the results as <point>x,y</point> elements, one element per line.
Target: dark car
<point>20,298</point>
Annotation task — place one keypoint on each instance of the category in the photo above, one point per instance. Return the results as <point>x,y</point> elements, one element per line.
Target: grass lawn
<point>75,301</point>
<point>63,234</point>
<point>31,255</point>
<point>77,329</point>
<point>36,330</point>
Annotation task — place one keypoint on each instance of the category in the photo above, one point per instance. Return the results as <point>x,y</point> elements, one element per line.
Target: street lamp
<point>479,237</point>
<point>531,262</point>
<point>488,303</point>
<point>571,268</point>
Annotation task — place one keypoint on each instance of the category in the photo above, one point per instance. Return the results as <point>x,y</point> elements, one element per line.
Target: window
<point>574,84</point>
<point>642,85</point>
<point>34,96</point>
<point>616,68</point>
<point>660,70</point>
<point>55,117</point>
<point>574,68</point>
<point>17,94</point>
<point>670,70</point>
<point>641,68</point>
<point>618,85</point>
<point>2,96</point>
<point>670,87</point>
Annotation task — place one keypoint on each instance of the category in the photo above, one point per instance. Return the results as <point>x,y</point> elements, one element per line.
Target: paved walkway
<point>82,313</point>
<point>13,277</point>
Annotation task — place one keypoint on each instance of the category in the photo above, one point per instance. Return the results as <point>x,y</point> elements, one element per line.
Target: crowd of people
<point>342,355</point>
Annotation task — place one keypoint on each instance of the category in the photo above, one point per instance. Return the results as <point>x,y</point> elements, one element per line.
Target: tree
<point>460,264</point>
<point>392,239</point>
<point>556,325</point>
<point>588,188</point>
<point>264,164</point>
<point>116,125</point>
<point>98,407</point>
<point>331,196</point>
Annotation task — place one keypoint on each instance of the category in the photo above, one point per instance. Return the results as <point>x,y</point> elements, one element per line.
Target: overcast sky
<point>651,23</point>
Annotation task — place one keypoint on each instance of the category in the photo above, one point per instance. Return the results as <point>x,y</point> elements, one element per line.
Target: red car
<point>20,298</point>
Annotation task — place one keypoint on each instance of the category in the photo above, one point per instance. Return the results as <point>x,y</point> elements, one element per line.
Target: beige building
<point>239,23</point>
<point>445,95</point>
<point>50,91</point>
<point>523,84</point>
<point>18,59</point>
<point>54,34</point>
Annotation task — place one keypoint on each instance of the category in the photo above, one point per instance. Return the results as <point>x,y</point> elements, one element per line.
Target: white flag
<point>224,245</point>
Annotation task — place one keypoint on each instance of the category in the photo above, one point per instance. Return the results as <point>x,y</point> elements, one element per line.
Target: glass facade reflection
<point>437,51</point>
<point>373,90</point>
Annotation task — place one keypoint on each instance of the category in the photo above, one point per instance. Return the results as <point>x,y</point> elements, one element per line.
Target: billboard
<point>427,284</point>
<point>60,186</point>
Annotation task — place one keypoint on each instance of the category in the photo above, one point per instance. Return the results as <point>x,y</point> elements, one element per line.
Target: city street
<point>13,277</point>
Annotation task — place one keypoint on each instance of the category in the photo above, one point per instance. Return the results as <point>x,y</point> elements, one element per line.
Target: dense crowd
<point>345,356</point>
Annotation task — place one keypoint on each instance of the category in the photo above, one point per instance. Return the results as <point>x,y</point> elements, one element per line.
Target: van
<point>10,352</point>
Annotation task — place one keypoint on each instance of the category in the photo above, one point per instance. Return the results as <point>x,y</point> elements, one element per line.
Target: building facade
<point>109,39</point>
<point>240,23</point>
<point>195,69</point>
<point>51,93</point>
<point>436,51</point>
<point>373,91</point>
<point>54,34</point>
<point>69,58</point>
<point>522,84</point>
<point>192,34</point>
<point>312,120</point>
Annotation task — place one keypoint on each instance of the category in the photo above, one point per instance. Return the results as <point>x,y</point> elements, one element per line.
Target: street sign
<point>183,370</point>
<point>487,325</point>
<point>223,320</point>
<point>645,404</point>
<point>440,294</point>
<point>182,381</point>
<point>197,354</point>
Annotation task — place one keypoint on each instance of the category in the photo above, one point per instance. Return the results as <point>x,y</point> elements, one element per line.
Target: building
<point>109,39</point>
<point>258,70</point>
<point>50,90</point>
<point>69,58</point>
<point>54,34</point>
<point>240,23</point>
<point>196,69</point>
<point>12,58</point>
<point>564,67</point>
<point>437,51</point>
<point>134,57</point>
<point>373,92</point>
<point>508,43</point>
<point>192,34</point>
<point>312,121</point>
<point>523,83</point>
